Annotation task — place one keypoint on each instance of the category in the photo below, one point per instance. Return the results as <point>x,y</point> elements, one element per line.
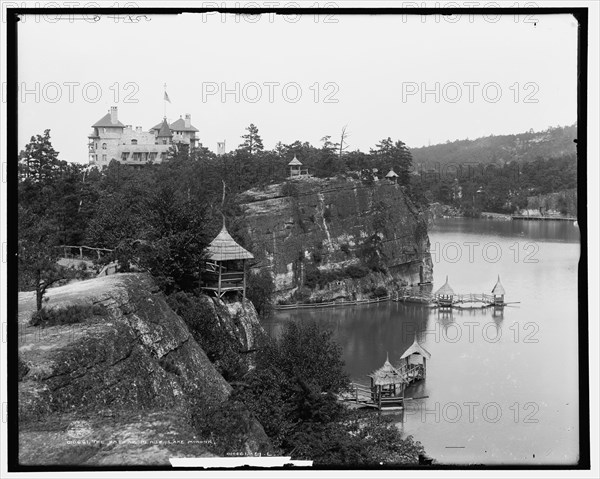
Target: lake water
<point>502,386</point>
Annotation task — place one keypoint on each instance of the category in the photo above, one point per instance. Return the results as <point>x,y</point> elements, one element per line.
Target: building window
<point>104,158</point>
<point>96,145</point>
<point>104,146</point>
<point>164,142</point>
<point>134,142</point>
<point>125,156</point>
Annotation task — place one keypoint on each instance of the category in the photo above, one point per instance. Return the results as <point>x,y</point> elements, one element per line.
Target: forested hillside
<point>522,147</point>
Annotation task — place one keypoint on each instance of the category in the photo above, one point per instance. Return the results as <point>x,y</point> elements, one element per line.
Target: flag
<point>167,97</point>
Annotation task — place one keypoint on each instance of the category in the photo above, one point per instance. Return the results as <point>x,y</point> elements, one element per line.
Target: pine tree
<point>39,161</point>
<point>252,140</point>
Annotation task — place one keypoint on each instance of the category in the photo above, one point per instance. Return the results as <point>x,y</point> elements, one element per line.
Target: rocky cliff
<point>324,239</point>
<point>118,388</point>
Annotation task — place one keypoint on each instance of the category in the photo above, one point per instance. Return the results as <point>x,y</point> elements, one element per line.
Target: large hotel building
<point>112,140</point>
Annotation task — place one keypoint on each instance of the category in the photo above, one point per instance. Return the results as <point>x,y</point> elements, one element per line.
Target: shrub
<point>71,314</point>
<point>289,189</point>
<point>345,247</point>
<point>301,295</point>
<point>317,256</point>
<point>312,277</point>
<point>260,291</point>
<point>99,310</point>
<point>380,292</point>
<point>23,369</point>
<point>227,425</point>
<point>357,271</point>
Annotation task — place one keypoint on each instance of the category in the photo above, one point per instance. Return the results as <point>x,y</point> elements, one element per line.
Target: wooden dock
<point>390,398</point>
<point>459,301</point>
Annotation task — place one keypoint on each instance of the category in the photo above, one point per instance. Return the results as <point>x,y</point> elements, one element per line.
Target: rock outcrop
<point>120,384</point>
<point>330,225</point>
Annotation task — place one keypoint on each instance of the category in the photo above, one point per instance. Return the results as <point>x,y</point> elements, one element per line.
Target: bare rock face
<point>331,224</point>
<point>121,382</point>
<point>237,319</point>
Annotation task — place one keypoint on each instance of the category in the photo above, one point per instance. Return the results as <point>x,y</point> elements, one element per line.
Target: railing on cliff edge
<point>68,251</point>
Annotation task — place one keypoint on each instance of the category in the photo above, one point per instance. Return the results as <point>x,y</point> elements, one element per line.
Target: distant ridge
<point>522,147</point>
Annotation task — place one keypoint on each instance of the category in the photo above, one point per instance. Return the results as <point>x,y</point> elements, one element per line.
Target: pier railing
<point>475,297</point>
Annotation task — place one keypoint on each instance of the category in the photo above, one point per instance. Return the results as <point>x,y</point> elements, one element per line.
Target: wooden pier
<point>446,298</point>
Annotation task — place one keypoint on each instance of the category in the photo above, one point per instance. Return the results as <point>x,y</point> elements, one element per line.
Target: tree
<point>394,155</point>
<point>39,161</point>
<point>343,143</point>
<point>38,255</point>
<point>260,292</point>
<point>171,242</point>
<point>252,140</point>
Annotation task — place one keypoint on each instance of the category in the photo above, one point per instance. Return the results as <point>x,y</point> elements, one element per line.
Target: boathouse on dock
<point>387,382</point>
<point>225,268</point>
<point>413,363</point>
<point>498,293</point>
<point>445,295</point>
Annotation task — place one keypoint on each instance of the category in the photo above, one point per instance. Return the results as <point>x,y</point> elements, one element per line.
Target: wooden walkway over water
<point>459,301</point>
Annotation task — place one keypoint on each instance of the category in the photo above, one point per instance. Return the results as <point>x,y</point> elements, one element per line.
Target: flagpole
<point>165,101</point>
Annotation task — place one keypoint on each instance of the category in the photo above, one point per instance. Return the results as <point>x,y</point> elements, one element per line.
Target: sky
<point>422,80</point>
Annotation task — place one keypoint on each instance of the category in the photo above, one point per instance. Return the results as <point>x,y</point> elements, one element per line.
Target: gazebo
<point>392,176</point>
<point>414,361</point>
<point>445,295</point>
<point>225,267</point>
<point>295,167</point>
<point>498,293</point>
<point>387,382</point>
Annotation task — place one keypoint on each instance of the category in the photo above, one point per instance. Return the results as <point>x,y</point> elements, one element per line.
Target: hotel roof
<point>105,122</point>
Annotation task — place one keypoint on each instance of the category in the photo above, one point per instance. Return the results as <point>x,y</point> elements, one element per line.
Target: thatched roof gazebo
<point>225,268</point>
<point>392,175</point>
<point>387,381</point>
<point>498,293</point>
<point>295,167</point>
<point>445,294</point>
